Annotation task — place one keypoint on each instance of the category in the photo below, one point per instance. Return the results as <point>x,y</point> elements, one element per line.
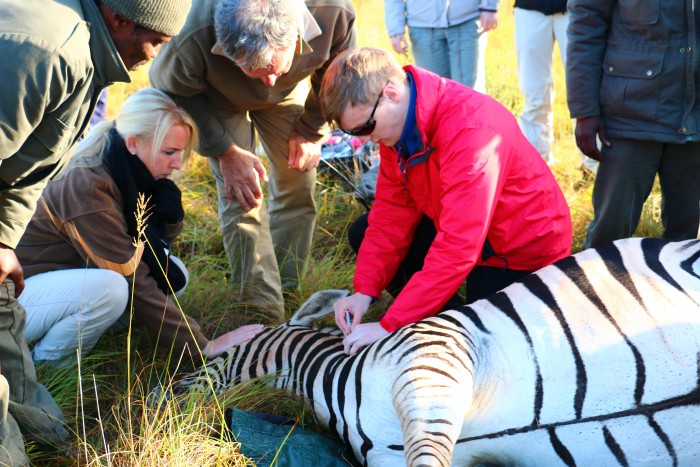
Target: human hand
<point>9,265</point>
<point>587,128</point>
<point>303,154</point>
<point>356,305</point>
<point>242,172</point>
<point>488,20</point>
<point>362,336</point>
<point>398,42</point>
<point>236,337</point>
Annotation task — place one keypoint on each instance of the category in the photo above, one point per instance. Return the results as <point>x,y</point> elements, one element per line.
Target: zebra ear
<point>317,306</point>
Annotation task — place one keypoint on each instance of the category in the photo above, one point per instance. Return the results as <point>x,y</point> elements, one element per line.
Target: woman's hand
<point>353,307</point>
<point>236,337</point>
<point>363,335</point>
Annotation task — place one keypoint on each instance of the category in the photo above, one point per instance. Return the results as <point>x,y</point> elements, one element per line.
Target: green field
<point>104,398</point>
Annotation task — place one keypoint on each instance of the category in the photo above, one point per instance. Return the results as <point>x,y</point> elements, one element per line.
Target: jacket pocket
<point>639,12</point>
<point>630,86</point>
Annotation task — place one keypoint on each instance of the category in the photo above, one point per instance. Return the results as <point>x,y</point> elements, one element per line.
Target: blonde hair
<point>357,76</point>
<point>147,114</point>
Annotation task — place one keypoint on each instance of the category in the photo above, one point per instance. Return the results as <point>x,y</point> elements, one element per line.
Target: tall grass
<point>106,407</point>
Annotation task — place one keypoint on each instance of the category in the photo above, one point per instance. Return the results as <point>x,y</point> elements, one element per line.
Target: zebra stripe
<point>594,360</point>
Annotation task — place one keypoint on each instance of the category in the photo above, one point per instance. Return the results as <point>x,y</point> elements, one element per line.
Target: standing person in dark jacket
<point>57,56</point>
<point>632,81</point>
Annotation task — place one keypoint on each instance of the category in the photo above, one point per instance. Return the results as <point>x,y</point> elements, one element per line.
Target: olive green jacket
<point>55,59</point>
<point>209,85</point>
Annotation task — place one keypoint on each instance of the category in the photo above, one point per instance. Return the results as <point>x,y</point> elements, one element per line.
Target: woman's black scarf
<point>164,205</point>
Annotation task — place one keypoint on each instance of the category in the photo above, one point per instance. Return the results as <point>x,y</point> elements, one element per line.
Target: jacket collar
<point>109,67</point>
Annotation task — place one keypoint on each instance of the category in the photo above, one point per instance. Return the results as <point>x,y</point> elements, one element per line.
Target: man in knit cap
<point>57,56</point>
<point>240,67</point>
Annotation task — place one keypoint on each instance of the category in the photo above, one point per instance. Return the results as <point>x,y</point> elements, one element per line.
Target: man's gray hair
<point>250,31</point>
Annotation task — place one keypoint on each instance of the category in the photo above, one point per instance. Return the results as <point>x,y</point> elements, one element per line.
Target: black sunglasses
<point>369,125</point>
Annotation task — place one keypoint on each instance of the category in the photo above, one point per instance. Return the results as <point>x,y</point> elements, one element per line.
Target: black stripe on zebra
<point>664,439</point>
<point>331,354</point>
<point>501,301</point>
<point>560,449</point>
<point>367,444</point>
<point>651,247</point>
<point>537,287</point>
<point>614,447</point>
<point>342,383</point>
<point>572,269</point>
<point>471,351</point>
<point>687,265</point>
<point>316,342</point>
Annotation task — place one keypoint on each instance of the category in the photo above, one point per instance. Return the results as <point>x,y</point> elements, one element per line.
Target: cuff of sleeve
<point>488,10</point>
<point>217,149</point>
<point>388,324</point>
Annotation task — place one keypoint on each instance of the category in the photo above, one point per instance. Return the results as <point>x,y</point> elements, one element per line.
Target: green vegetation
<point>104,398</point>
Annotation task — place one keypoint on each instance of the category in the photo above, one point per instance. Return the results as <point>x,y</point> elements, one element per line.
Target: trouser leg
<point>30,404</point>
<point>534,43</point>
<point>248,245</point>
<point>624,180</point>
<point>11,442</point>
<point>679,176</point>
<point>429,47</point>
<point>70,309</point>
<point>291,207</point>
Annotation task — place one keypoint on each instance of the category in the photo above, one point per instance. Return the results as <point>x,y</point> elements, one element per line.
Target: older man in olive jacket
<point>57,56</point>
<point>241,66</point>
<point>632,80</point>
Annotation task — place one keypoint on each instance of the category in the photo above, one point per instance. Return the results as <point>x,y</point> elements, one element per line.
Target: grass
<point>104,399</point>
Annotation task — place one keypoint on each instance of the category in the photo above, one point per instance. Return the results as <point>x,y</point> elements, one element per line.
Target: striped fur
<point>593,361</point>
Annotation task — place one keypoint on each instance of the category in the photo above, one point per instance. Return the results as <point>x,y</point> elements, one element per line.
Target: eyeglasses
<point>369,125</point>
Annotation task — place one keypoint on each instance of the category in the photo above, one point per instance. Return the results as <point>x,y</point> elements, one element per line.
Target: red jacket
<point>481,179</point>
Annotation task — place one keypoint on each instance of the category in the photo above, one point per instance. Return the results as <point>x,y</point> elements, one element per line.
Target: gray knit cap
<point>163,16</point>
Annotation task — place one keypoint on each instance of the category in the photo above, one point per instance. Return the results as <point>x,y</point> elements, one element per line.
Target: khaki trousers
<point>30,404</point>
<point>268,247</point>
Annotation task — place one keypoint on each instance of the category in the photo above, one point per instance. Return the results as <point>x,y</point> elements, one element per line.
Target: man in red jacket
<point>453,159</point>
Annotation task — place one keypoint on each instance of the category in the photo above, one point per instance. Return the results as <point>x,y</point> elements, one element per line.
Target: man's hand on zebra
<point>363,335</point>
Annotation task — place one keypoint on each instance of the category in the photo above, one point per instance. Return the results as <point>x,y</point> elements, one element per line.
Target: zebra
<point>592,361</point>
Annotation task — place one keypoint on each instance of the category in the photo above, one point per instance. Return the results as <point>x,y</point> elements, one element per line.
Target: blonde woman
<point>79,255</point>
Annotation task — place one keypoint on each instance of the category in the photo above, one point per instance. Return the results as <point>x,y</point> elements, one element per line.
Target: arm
<point>472,172</point>
<point>395,21</point>
<point>339,24</point>
<point>588,31</point>
<point>33,87</point>
<point>99,235</point>
<point>488,14</point>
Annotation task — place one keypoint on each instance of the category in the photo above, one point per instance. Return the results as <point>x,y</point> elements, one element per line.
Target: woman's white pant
<point>70,309</point>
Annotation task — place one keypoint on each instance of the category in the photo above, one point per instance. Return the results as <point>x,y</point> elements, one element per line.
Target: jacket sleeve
<point>489,5</point>
<point>103,231</point>
<point>179,70</point>
<point>473,163</point>
<point>587,33</point>
<point>339,23</point>
<point>395,17</point>
<point>392,221</point>
<point>31,88</point>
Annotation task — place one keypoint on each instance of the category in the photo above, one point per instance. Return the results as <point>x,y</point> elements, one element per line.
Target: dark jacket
<point>57,56</point>
<point>632,63</point>
<point>547,7</point>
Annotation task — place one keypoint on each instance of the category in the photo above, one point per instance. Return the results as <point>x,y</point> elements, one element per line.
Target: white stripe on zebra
<point>593,361</point>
